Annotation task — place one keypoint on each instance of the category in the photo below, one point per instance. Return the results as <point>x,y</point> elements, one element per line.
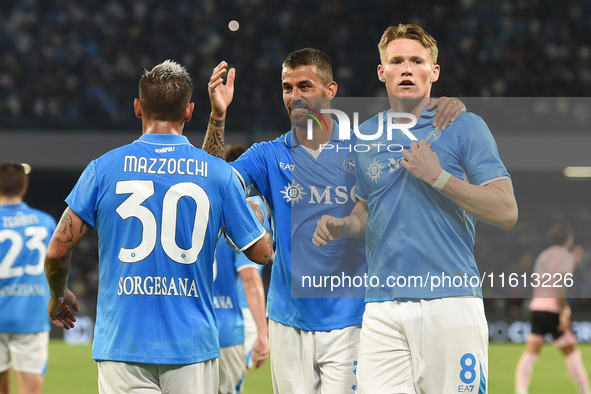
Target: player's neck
<point>412,106</point>
<point>4,200</point>
<point>161,127</point>
<point>320,136</point>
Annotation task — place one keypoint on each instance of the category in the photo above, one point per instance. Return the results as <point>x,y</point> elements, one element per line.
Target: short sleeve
<point>480,154</point>
<point>83,198</point>
<point>252,167</point>
<point>242,226</point>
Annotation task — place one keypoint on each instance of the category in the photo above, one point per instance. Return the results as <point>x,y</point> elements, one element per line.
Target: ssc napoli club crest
<point>434,136</point>
<point>349,165</point>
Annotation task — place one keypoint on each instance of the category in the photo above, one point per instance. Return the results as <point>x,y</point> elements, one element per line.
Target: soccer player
<point>551,312</point>
<point>24,326</point>
<point>229,267</point>
<point>252,324</point>
<point>313,341</point>
<point>417,211</point>
<point>158,205</point>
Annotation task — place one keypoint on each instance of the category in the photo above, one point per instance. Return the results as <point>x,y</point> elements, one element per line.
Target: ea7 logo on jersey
<point>285,166</point>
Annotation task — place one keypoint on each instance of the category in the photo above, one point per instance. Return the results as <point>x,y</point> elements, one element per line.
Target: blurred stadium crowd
<point>72,65</point>
<point>68,64</point>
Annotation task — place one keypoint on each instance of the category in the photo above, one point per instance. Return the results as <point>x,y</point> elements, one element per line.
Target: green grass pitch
<point>71,370</point>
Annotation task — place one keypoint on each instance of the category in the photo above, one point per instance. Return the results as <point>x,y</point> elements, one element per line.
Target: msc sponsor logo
<point>326,195</point>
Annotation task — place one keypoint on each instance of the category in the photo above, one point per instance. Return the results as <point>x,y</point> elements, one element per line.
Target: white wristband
<point>442,180</point>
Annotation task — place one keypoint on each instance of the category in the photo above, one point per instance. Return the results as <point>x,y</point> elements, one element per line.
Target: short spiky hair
<point>13,179</point>
<point>411,32</point>
<point>311,57</point>
<point>165,91</point>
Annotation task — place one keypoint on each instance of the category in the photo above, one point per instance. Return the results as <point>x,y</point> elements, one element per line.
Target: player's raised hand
<point>328,228</point>
<point>422,162</point>
<point>449,110</point>
<point>220,93</point>
<point>578,253</point>
<point>59,310</point>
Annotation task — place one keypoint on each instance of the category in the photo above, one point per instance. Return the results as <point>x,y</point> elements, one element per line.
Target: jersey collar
<point>13,207</point>
<point>164,139</point>
<point>425,118</point>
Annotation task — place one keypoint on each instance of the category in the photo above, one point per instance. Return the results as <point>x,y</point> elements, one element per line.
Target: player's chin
<point>299,120</point>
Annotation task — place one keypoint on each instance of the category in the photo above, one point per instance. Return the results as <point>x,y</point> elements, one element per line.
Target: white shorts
<point>424,346</point>
<point>24,352</point>
<point>134,378</point>
<point>250,335</point>
<point>309,362</point>
<point>232,368</point>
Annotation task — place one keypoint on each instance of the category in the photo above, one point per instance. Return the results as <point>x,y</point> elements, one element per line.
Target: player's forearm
<point>255,297</point>
<point>356,223</point>
<point>68,233</point>
<point>493,204</point>
<point>56,272</point>
<point>262,251</point>
<point>214,137</point>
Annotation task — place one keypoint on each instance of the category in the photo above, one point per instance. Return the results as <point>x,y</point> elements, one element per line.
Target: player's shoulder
<point>266,150</point>
<point>281,142</point>
<point>43,216</point>
<point>373,121</point>
<point>468,121</point>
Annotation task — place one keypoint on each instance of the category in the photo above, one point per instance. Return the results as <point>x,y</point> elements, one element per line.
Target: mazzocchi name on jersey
<point>162,166</point>
<point>158,286</point>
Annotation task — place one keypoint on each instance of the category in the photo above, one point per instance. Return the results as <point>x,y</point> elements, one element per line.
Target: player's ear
<point>381,73</point>
<point>435,73</point>
<point>137,107</point>
<point>189,112</point>
<point>331,89</point>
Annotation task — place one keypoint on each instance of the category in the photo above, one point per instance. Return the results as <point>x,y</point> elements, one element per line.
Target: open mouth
<point>406,83</point>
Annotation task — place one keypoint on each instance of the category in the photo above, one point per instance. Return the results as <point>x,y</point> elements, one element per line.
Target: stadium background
<point>69,72</point>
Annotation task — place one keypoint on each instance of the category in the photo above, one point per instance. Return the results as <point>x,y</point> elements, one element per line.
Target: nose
<point>296,93</point>
<point>406,69</point>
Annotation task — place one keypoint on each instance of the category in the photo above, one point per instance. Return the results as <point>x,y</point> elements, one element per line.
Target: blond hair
<point>411,32</point>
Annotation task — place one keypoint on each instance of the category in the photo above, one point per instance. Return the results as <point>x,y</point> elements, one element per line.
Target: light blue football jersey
<point>225,295</point>
<point>158,205</point>
<point>25,233</point>
<point>267,225</point>
<point>416,237</point>
<point>299,190</point>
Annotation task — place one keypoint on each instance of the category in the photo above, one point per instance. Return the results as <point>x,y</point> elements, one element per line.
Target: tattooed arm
<point>214,138</point>
<point>69,232</point>
<point>220,96</point>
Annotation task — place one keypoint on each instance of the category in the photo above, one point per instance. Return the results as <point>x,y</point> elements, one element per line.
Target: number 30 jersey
<point>24,294</point>
<point>158,205</point>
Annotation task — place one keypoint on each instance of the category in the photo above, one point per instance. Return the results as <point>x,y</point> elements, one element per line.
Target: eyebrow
<point>410,58</point>
<point>286,84</point>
